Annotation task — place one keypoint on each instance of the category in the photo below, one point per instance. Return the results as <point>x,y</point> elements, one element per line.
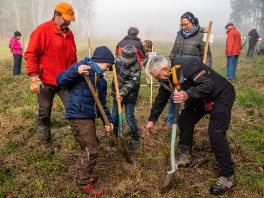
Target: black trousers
<point>17,64</point>
<point>220,116</point>
<point>45,101</point>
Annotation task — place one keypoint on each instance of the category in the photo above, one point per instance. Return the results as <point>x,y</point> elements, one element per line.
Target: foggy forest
<point>26,15</point>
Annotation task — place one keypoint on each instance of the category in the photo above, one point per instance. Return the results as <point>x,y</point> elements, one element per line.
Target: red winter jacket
<point>233,42</point>
<point>49,52</point>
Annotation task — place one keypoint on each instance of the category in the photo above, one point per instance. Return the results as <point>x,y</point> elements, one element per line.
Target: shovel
<point>120,117</point>
<point>99,105</point>
<point>170,174</point>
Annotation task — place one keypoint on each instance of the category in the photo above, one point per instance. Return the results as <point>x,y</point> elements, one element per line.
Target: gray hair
<point>156,62</point>
<point>133,31</point>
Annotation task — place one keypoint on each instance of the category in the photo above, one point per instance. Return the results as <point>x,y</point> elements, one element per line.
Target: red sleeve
<point>34,50</point>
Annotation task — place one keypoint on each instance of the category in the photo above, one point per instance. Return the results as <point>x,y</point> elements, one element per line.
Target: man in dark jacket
<point>204,92</point>
<point>132,39</point>
<point>128,76</point>
<point>254,36</point>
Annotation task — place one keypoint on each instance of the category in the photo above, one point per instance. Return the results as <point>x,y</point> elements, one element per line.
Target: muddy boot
<point>184,159</point>
<point>47,148</point>
<point>222,185</point>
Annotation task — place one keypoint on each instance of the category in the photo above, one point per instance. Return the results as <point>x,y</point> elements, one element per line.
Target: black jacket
<point>254,37</point>
<point>132,40</point>
<point>201,83</point>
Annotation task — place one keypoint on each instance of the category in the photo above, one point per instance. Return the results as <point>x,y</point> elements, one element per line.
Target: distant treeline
<point>26,15</point>
<point>246,14</point>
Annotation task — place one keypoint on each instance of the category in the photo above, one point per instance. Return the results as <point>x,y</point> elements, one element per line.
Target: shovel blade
<point>167,183</point>
<point>123,150</point>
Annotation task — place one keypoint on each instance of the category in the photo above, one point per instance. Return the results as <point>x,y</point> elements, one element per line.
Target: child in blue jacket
<point>81,111</point>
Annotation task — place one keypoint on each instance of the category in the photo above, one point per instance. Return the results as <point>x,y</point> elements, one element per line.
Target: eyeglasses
<point>184,25</point>
<point>158,76</point>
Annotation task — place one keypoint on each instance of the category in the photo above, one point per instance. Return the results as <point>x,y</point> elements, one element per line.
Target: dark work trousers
<point>85,134</point>
<point>220,116</point>
<point>250,50</point>
<point>17,64</point>
<point>45,100</point>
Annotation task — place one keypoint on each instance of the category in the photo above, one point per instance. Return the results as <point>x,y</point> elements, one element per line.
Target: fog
<point>156,19</point>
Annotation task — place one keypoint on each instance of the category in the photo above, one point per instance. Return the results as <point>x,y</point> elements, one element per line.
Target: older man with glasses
<point>204,92</point>
<point>50,51</point>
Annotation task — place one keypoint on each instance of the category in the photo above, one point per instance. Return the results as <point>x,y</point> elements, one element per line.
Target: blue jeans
<point>130,118</point>
<point>170,113</point>
<point>250,50</point>
<point>231,65</point>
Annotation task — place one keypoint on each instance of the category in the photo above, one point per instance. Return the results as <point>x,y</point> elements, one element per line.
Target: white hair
<point>156,62</point>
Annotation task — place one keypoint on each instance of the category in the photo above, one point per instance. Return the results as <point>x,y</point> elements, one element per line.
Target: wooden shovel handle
<point>117,90</point>
<point>207,42</point>
<point>100,107</point>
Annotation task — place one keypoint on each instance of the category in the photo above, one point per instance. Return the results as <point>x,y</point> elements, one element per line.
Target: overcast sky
<point>155,18</point>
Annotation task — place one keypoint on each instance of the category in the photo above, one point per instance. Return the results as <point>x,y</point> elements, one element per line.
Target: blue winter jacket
<point>81,103</point>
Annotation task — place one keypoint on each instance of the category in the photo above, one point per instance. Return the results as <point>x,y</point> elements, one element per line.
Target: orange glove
<point>35,84</point>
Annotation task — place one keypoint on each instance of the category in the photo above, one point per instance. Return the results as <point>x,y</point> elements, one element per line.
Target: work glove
<point>35,84</point>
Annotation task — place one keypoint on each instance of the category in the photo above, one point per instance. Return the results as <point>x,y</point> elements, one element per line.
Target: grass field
<point>26,172</point>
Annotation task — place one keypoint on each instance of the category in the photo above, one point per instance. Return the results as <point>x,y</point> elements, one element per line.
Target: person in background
<point>260,48</point>
<point>128,76</point>
<point>188,43</point>
<point>81,112</point>
<point>203,91</point>
<point>132,39</point>
<point>254,36</point>
<point>17,51</point>
<point>51,50</point>
<point>232,51</point>
<point>147,44</point>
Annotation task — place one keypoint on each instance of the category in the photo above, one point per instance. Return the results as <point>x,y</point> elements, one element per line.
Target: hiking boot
<point>222,184</point>
<point>184,159</point>
<point>47,148</point>
<point>134,145</point>
<point>89,188</point>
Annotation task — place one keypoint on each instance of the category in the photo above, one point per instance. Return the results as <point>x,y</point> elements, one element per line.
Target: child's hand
<point>119,98</point>
<point>109,128</point>
<point>83,69</point>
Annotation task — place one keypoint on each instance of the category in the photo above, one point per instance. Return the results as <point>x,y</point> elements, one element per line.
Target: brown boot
<point>47,148</point>
<point>184,159</point>
<point>222,184</point>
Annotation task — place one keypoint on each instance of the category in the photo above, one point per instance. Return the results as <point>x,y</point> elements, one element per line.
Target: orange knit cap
<point>66,11</point>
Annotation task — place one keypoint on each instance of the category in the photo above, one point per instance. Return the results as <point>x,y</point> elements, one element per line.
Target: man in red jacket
<point>233,45</point>
<point>50,51</point>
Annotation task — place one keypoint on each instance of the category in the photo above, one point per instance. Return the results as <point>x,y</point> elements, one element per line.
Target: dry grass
<point>25,172</point>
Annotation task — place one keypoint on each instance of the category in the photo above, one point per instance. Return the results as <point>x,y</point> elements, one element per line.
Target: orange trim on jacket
<point>49,52</point>
<point>233,42</point>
